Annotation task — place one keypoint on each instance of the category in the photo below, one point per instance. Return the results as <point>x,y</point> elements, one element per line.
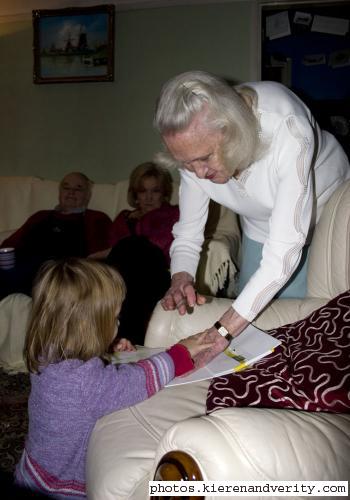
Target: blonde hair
<point>144,171</point>
<point>74,312</point>
<point>185,95</point>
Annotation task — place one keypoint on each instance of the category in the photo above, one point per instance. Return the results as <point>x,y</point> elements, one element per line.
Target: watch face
<point>221,329</point>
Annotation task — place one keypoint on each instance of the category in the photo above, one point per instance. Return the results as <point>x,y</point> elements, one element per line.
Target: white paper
<point>314,59</point>
<point>332,25</point>
<point>339,58</point>
<point>302,18</point>
<point>277,25</point>
<point>141,352</point>
<point>250,346</point>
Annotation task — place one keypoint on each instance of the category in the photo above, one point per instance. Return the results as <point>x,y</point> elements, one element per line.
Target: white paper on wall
<point>302,18</point>
<point>331,25</point>
<point>314,59</point>
<point>339,58</point>
<point>277,25</point>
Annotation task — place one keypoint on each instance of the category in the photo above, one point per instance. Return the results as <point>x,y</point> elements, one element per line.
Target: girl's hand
<point>123,345</point>
<point>101,255</point>
<point>198,343</point>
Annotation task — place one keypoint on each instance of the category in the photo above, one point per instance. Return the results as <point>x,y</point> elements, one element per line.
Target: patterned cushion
<point>309,371</point>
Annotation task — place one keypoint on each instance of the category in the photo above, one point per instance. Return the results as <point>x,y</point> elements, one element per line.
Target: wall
<point>317,81</point>
<point>105,128</point>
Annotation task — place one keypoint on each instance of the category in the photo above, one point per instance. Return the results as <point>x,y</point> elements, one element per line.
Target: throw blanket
<point>14,313</point>
<point>309,371</point>
<point>220,272</point>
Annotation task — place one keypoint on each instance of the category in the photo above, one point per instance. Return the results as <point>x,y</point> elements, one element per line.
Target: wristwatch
<point>223,331</point>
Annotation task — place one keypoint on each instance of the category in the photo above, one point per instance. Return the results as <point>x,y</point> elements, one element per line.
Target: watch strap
<point>223,331</point>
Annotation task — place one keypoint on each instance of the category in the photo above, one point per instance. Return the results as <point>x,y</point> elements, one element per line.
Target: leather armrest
<point>263,444</point>
<point>167,327</point>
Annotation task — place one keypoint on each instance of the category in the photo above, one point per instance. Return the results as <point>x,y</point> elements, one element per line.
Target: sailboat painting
<point>73,44</point>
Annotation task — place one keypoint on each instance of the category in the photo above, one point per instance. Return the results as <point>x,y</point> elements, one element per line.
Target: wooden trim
<point>177,466</point>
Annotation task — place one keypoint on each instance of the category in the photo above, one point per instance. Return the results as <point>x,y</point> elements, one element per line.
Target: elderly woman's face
<point>149,196</point>
<point>73,193</point>
<point>198,148</point>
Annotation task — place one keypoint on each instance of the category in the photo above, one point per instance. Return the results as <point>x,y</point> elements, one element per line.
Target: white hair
<point>185,95</point>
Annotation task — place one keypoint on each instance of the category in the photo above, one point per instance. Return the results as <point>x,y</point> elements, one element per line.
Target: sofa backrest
<point>20,197</point>
<point>329,258</point>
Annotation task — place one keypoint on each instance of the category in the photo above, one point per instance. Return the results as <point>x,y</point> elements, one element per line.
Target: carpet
<point>14,392</point>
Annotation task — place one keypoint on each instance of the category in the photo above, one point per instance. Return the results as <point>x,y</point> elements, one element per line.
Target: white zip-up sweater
<point>279,197</point>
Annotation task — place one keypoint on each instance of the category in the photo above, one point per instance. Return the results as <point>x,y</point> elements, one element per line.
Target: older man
<point>69,230</point>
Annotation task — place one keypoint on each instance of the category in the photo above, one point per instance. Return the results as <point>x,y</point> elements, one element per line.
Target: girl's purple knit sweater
<point>66,400</point>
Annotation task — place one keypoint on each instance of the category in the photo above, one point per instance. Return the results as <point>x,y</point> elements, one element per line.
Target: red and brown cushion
<point>309,371</point>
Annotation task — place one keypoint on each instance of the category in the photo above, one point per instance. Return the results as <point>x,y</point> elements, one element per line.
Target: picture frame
<point>73,44</point>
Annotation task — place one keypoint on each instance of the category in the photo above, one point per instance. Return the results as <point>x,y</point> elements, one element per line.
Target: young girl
<point>73,322</point>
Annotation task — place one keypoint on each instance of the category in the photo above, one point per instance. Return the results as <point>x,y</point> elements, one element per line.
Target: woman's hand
<point>234,324</point>
<point>135,214</point>
<point>197,343</point>
<point>217,343</point>
<point>123,345</point>
<point>181,294</point>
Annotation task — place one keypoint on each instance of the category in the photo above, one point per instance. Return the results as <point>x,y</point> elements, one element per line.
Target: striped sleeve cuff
<point>182,359</point>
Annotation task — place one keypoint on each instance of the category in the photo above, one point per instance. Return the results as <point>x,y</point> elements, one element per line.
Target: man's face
<point>74,193</point>
<point>198,148</point>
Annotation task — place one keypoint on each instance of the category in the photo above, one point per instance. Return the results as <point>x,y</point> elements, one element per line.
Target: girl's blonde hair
<point>185,95</point>
<point>74,314</point>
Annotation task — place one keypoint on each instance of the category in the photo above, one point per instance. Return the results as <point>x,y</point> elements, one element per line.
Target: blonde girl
<point>73,322</point>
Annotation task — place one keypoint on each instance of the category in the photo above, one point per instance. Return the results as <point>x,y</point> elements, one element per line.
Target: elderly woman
<point>140,240</point>
<point>257,150</point>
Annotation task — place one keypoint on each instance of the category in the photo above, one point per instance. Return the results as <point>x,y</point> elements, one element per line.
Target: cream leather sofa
<point>231,444</point>
<point>234,443</point>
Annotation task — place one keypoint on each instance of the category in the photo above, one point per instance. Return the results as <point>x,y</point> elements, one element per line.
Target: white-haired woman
<point>257,150</point>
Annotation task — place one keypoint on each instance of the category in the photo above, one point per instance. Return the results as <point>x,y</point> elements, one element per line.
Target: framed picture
<point>73,44</point>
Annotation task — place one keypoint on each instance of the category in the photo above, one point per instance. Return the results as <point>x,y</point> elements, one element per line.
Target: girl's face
<point>116,323</point>
<point>149,196</point>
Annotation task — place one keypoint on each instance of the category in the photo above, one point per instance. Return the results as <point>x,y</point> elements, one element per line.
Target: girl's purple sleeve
<point>108,388</point>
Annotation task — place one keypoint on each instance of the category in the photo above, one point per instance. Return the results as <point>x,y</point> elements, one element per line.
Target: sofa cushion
<point>328,266</point>
<point>123,444</point>
<point>309,371</point>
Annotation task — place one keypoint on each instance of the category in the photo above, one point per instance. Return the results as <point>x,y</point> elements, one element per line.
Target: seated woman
<point>71,229</point>
<point>139,246</point>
